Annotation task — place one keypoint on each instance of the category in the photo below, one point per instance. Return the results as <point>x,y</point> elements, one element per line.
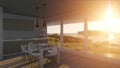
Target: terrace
<point>76,59</point>
<point>18,21</point>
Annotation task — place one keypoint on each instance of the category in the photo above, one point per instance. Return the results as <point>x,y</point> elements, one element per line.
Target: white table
<point>42,56</point>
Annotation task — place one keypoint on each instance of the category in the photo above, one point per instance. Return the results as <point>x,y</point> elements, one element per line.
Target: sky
<point>111,23</point>
<point>68,28</point>
<point>93,25</point>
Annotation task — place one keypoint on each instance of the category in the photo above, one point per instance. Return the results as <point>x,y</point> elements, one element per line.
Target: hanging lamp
<point>44,23</point>
<point>37,26</point>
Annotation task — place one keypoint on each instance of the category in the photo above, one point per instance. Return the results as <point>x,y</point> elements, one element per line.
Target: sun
<point>111,36</point>
<point>109,13</point>
<point>109,18</point>
<point>110,21</point>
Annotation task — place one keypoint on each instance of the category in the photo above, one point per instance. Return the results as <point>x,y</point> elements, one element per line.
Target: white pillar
<point>1,33</point>
<point>61,41</point>
<point>61,34</point>
<point>85,34</point>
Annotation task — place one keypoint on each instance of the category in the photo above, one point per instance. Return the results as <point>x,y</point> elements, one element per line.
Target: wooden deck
<point>67,60</point>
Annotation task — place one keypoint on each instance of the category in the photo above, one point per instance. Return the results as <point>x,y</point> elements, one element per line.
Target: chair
<point>33,52</point>
<point>24,50</point>
<point>52,53</point>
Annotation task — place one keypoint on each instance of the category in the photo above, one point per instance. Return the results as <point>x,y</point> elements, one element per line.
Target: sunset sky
<point>111,23</point>
<point>98,25</point>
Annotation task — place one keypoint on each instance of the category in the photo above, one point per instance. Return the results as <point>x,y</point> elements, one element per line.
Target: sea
<point>100,38</point>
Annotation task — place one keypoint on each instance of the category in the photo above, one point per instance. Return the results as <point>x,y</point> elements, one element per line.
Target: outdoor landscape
<point>99,43</point>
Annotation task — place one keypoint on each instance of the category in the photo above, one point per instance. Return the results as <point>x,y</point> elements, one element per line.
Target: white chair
<point>24,51</point>
<point>24,48</point>
<point>33,52</point>
<point>33,49</point>
<point>52,53</point>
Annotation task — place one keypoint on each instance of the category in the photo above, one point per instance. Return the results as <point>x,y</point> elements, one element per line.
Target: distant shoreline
<point>96,38</point>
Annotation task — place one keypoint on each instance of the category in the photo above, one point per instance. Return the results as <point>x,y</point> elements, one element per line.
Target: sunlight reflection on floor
<point>64,66</point>
<point>109,55</point>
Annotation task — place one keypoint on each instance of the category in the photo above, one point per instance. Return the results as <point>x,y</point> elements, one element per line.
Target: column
<point>61,35</point>
<point>61,41</point>
<point>85,34</point>
<point>1,33</point>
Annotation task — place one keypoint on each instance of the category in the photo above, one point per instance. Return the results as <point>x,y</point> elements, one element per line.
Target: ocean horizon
<point>100,38</point>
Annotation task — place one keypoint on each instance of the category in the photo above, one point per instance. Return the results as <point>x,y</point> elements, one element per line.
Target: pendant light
<point>37,26</point>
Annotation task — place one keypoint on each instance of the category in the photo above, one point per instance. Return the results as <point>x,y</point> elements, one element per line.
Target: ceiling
<point>60,9</point>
